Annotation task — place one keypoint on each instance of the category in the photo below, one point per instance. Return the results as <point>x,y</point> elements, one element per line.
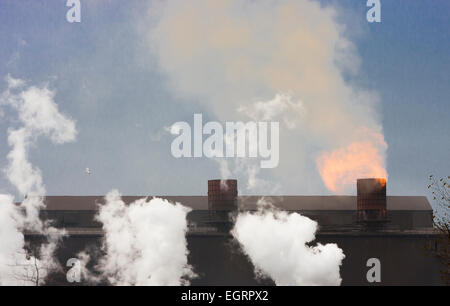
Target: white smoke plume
<point>276,243</point>
<point>12,240</point>
<point>295,57</point>
<point>144,242</point>
<point>38,115</point>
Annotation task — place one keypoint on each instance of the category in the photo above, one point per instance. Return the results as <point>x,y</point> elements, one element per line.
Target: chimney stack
<point>371,199</point>
<point>222,195</point>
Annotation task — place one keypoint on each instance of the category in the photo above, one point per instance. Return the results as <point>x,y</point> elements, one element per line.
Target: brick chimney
<point>222,195</point>
<point>371,199</point>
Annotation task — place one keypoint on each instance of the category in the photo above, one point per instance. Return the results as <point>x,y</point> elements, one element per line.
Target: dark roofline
<point>336,203</point>
<point>416,233</point>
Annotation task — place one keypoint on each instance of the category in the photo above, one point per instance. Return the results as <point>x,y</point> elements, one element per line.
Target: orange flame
<point>381,181</point>
<point>340,168</point>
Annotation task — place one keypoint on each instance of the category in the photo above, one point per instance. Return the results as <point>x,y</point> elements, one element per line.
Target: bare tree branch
<point>440,190</point>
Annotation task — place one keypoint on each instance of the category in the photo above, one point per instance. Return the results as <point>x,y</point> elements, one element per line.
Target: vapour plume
<point>12,240</point>
<point>276,243</point>
<point>342,166</point>
<point>296,58</point>
<point>81,271</point>
<point>19,266</point>
<point>38,115</point>
<point>144,242</point>
<point>281,108</point>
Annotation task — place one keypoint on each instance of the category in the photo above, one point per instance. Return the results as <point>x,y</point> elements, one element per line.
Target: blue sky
<point>105,80</point>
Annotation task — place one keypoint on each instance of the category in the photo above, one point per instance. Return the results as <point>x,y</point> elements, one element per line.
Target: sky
<point>105,78</point>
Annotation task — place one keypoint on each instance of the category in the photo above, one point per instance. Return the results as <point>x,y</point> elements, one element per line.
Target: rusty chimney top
<point>371,199</point>
<point>222,195</point>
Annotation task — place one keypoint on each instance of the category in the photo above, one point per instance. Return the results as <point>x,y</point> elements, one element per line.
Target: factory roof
<point>293,203</point>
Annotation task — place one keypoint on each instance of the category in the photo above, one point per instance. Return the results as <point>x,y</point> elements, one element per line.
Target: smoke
<point>289,61</point>
<point>281,108</point>
<point>144,242</point>
<point>277,243</point>
<point>12,240</point>
<point>38,115</point>
<point>343,166</point>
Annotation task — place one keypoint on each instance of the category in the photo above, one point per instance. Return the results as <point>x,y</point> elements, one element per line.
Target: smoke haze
<point>144,242</point>
<point>275,241</point>
<point>230,55</point>
<point>38,115</point>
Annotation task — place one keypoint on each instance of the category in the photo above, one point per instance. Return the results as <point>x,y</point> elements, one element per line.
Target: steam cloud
<point>276,60</point>
<point>144,242</point>
<point>341,167</point>
<point>38,115</point>
<point>276,242</point>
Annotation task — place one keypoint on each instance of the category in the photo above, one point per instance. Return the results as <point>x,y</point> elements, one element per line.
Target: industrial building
<point>397,230</point>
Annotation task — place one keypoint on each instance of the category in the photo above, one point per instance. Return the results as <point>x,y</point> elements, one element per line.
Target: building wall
<point>218,260</point>
<point>332,219</point>
<point>404,260</point>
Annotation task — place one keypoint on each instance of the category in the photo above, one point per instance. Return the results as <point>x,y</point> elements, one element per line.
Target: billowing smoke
<point>11,248</point>
<point>145,242</point>
<point>38,115</point>
<point>289,61</point>
<point>341,167</point>
<point>277,243</point>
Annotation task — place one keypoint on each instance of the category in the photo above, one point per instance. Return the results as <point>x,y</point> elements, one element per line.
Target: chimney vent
<point>222,195</point>
<point>371,199</point>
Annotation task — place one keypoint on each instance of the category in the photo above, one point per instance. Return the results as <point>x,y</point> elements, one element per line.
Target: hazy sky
<point>106,80</point>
